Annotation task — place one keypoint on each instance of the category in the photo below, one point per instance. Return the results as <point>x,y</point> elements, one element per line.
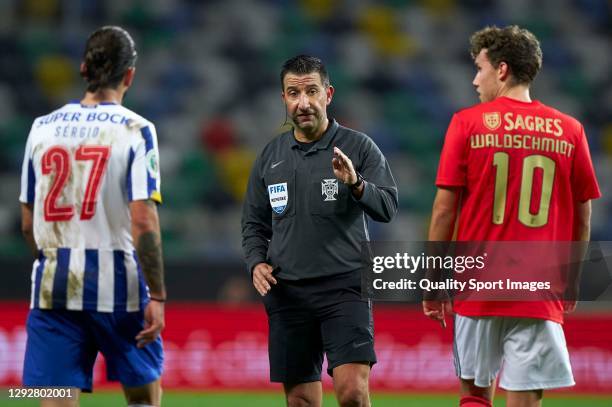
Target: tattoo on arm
<point>149,252</point>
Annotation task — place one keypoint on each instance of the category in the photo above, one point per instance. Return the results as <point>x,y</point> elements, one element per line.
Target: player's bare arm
<point>262,278</point>
<point>582,233</point>
<point>345,172</point>
<point>147,239</point>
<point>583,221</point>
<point>443,216</point>
<point>27,228</point>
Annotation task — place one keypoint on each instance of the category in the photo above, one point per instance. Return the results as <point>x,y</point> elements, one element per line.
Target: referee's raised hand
<point>262,278</point>
<point>343,167</point>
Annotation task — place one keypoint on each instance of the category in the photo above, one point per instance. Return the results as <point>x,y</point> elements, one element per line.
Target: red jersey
<point>522,167</point>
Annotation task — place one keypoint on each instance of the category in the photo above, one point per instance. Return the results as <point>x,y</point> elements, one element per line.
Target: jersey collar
<point>322,143</point>
<point>78,102</point>
<point>533,102</point>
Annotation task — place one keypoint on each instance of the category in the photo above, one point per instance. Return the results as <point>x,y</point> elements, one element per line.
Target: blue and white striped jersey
<point>82,166</point>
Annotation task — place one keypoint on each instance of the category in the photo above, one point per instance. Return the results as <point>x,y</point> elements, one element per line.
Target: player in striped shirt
<point>90,186</point>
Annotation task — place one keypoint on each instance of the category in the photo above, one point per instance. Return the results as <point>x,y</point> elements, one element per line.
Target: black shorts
<point>309,317</point>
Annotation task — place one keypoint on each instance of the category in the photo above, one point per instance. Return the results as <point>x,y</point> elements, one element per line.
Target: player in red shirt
<point>511,169</point>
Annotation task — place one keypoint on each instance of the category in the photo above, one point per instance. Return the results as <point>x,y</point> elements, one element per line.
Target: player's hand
<point>569,306</point>
<point>343,167</point>
<point>153,323</point>
<point>436,310</point>
<point>262,278</point>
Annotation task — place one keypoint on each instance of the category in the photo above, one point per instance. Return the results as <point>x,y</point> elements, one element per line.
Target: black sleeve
<point>379,199</point>
<point>256,219</point>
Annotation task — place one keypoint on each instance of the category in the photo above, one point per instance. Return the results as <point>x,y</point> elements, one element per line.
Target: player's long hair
<point>109,52</point>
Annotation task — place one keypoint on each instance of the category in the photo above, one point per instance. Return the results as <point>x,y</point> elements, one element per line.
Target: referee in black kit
<point>303,222</point>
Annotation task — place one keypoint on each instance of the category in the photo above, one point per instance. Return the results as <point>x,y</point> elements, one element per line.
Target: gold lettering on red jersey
<point>491,120</point>
<point>522,142</point>
<point>557,123</point>
<point>532,123</point>
<point>509,122</point>
<point>548,125</point>
<point>519,122</point>
<point>548,144</point>
<point>477,141</point>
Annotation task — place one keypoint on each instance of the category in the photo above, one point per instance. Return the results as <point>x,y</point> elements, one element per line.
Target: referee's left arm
<point>380,197</point>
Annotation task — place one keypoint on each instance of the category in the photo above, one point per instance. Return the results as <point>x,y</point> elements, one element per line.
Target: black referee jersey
<point>300,218</point>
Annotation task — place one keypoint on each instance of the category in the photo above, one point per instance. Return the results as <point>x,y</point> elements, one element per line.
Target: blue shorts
<point>62,347</point>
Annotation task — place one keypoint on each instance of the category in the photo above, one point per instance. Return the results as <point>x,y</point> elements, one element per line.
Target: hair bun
<point>109,52</point>
<point>97,56</point>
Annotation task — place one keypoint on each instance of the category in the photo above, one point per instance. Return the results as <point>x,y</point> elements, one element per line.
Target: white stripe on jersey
<point>48,277</point>
<point>133,283</point>
<point>106,281</point>
<point>33,291</point>
<point>61,152</point>
<point>74,290</point>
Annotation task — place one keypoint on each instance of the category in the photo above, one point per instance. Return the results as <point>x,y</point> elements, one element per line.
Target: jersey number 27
<point>57,160</point>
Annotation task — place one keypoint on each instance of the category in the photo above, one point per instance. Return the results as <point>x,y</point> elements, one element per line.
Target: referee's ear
<point>329,91</point>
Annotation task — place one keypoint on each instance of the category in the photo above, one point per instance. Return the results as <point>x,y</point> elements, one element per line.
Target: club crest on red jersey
<point>491,120</point>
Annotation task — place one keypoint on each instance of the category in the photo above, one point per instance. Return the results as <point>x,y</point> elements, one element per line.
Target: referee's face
<point>306,99</point>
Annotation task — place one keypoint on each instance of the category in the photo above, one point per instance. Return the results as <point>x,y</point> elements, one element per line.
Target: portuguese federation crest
<point>329,189</point>
<point>278,197</point>
<point>491,120</point>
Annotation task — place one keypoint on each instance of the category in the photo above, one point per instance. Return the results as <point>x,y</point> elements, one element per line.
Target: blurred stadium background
<point>207,76</point>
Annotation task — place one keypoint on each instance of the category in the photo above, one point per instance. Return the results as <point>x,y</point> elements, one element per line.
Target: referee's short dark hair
<point>302,65</point>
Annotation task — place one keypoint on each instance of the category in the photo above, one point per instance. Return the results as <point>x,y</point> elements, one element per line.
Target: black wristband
<point>157,299</point>
<point>357,183</point>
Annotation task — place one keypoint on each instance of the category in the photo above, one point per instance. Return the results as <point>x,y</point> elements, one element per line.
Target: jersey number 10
<point>57,160</point>
<point>530,163</point>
